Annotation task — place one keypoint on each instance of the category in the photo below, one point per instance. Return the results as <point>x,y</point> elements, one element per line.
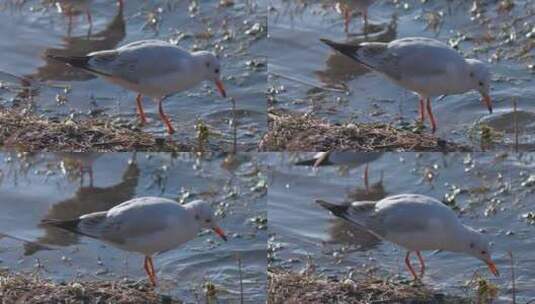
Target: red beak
<point>493,269</point>
<point>220,232</point>
<point>488,102</point>
<point>221,88</point>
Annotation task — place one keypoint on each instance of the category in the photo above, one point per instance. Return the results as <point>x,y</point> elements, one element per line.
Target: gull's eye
<point>207,221</point>
<point>208,64</point>
<point>197,217</point>
<point>216,71</point>
<point>472,74</point>
<point>481,83</point>
<point>472,245</point>
<point>483,252</point>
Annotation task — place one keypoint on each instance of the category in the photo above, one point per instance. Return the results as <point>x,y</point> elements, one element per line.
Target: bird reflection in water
<point>342,232</point>
<point>73,8</point>
<point>108,38</point>
<point>340,68</point>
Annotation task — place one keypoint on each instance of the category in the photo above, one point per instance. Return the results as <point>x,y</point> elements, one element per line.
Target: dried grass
<point>29,132</point>
<point>291,287</point>
<point>16,288</point>
<point>302,132</point>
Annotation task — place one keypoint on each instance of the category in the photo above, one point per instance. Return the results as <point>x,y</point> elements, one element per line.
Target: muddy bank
<point>18,288</point>
<point>30,132</point>
<point>291,287</point>
<point>302,132</point>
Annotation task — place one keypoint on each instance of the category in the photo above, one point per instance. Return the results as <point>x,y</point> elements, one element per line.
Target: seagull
<point>425,66</point>
<point>146,225</point>
<point>415,222</point>
<point>154,68</point>
<point>346,8</point>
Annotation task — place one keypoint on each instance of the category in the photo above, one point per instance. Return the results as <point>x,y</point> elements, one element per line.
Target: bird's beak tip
<point>221,88</point>
<point>221,233</point>
<point>493,269</point>
<point>488,102</point>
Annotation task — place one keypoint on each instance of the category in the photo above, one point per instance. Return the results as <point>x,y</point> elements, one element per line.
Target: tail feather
<point>70,225</point>
<point>75,61</point>
<point>338,210</point>
<point>81,62</point>
<point>344,48</point>
<point>349,50</point>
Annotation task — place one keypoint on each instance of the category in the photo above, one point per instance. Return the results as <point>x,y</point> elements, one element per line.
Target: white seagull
<point>346,8</point>
<point>416,222</point>
<point>154,68</point>
<point>425,66</point>
<point>146,225</point>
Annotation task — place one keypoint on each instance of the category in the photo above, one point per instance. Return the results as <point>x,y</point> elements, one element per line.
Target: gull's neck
<point>462,237</point>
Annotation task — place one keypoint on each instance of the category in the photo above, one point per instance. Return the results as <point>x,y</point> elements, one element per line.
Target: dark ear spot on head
<point>208,64</point>
<point>197,217</point>
<point>472,74</point>
<point>472,245</point>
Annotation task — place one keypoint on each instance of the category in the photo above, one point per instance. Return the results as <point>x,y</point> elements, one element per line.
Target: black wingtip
<point>337,210</point>
<point>70,225</point>
<point>76,61</point>
<point>346,49</point>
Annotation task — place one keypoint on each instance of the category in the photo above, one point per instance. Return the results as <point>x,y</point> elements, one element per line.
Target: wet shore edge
<point>296,287</point>
<point>290,131</point>
<point>21,288</point>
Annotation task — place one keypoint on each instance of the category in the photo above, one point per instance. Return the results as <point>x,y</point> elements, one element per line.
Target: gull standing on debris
<point>416,222</point>
<point>147,225</point>
<point>425,66</point>
<point>153,68</point>
<point>346,8</point>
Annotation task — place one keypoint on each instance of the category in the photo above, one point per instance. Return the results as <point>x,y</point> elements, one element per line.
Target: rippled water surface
<point>491,192</point>
<point>310,77</point>
<point>235,32</point>
<point>34,187</point>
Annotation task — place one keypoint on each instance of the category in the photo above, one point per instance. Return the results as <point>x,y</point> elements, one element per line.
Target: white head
<point>480,80</point>
<point>204,216</point>
<point>477,245</point>
<point>211,68</point>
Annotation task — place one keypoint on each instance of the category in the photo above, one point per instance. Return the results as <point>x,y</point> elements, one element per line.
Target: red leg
<point>366,183</point>
<point>89,19</point>
<point>431,117</point>
<point>141,113</point>
<point>149,269</point>
<point>347,19</point>
<point>422,111</point>
<point>165,119</point>
<point>81,167</point>
<point>422,264</point>
<point>408,263</point>
<point>153,273</point>
<point>90,171</point>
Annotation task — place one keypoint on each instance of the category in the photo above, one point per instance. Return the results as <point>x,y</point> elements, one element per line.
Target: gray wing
<point>139,59</point>
<point>410,57</point>
<point>116,228</point>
